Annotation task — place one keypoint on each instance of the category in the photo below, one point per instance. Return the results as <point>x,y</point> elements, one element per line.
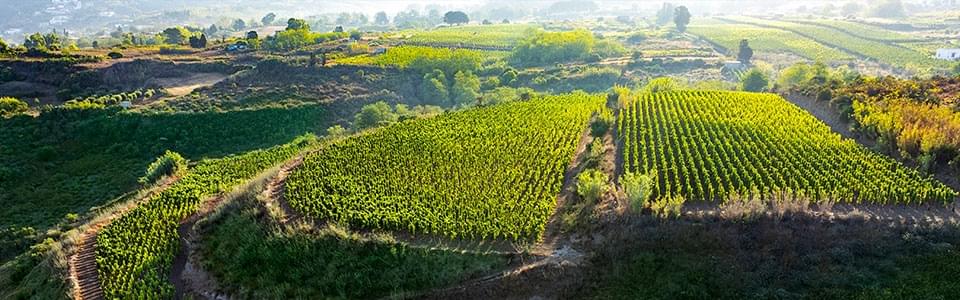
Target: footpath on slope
<point>566,252</point>
<point>83,261</point>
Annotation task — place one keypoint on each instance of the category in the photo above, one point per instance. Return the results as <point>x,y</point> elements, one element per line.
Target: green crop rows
<point>506,35</point>
<point>880,51</point>
<point>492,172</point>
<point>135,252</point>
<point>767,40</point>
<point>711,145</point>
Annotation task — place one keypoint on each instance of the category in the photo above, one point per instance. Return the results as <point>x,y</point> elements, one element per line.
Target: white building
<point>948,54</point>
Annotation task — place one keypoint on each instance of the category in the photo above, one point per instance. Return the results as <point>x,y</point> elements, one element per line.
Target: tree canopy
<point>681,17</point>
<point>754,81</point>
<point>297,24</point>
<point>381,19</point>
<point>455,17</point>
<point>268,19</point>
<point>745,53</point>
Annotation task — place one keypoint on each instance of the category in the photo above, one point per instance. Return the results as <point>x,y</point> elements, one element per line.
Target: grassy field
<point>500,35</point>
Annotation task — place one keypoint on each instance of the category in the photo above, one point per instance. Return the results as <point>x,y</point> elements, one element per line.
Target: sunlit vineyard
<point>864,30</point>
<point>504,35</point>
<point>767,40</point>
<point>711,145</point>
<point>405,56</point>
<point>135,252</point>
<point>880,51</point>
<point>492,172</point>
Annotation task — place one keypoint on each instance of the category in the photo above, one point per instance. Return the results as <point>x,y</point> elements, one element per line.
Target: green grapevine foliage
<point>136,251</point>
<point>711,145</point>
<point>492,172</point>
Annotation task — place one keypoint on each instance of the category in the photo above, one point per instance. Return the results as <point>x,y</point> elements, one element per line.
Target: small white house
<point>948,54</point>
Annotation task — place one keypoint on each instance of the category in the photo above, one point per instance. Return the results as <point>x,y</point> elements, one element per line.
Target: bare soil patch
<point>185,85</point>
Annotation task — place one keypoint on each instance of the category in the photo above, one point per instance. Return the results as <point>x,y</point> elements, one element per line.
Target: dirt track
<point>83,262</point>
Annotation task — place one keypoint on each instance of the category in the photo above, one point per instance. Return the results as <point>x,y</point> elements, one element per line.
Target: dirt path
<point>182,86</point>
<point>83,262</point>
<point>189,279</point>
<point>275,189</point>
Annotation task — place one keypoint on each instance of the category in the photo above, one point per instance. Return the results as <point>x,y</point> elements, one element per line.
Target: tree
<point>35,41</point>
<point>12,106</point>
<point>433,88</point>
<point>3,46</point>
<point>665,14</point>
<point>253,35</point>
<point>850,9</point>
<point>754,81</point>
<point>297,24</point>
<point>681,17</point>
<point>377,114</point>
<point>381,19</point>
<point>486,22</point>
<point>176,35</point>
<point>356,35</point>
<point>212,29</point>
<point>745,53</point>
<point>268,19</point>
<point>466,88</point>
<point>888,9</point>
<point>455,18</point>
<point>239,25</point>
<point>203,41</point>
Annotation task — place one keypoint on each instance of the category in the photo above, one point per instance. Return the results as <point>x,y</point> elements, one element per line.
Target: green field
<point>881,52</point>
<point>492,172</point>
<point>135,252</point>
<point>767,40</point>
<point>711,145</point>
<point>501,35</point>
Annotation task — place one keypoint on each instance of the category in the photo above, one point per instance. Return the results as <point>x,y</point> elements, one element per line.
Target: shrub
<point>12,106</point>
<point>754,81</point>
<point>115,55</point>
<point>638,188</point>
<point>660,84</point>
<point>668,207</point>
<point>168,164</point>
<point>603,123</point>
<point>591,184</point>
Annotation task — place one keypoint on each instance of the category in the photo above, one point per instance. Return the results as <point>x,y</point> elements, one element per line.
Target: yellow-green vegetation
<point>711,145</point>
<point>767,40</point>
<point>12,106</point>
<point>500,35</point>
<point>135,252</point>
<point>879,51</point>
<point>491,172</point>
<point>864,30</point>
<point>422,58</point>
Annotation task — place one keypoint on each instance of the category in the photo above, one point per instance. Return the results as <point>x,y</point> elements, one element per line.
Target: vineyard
<point>768,40</point>
<point>863,30</point>
<point>413,56</point>
<point>135,253</point>
<point>492,172</point>
<point>505,35</point>
<point>713,145</point>
<point>879,51</point>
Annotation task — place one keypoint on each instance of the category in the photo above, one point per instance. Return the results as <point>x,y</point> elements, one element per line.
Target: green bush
<point>638,188</point>
<point>603,123</point>
<point>591,184</point>
<point>168,164</point>
<point>12,106</point>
